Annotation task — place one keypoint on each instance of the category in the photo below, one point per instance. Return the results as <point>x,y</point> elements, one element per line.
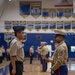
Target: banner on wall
<point>52,13</point>
<point>52,25</point>
<point>15,23</point>
<point>59,25</point>
<point>45,13</point>
<point>23,23</point>
<point>7,36</point>
<point>35,8</point>
<point>37,25</point>
<point>24,8</point>
<point>67,25</point>
<point>45,25</point>
<point>12,35</point>
<point>59,12</point>
<point>73,25</point>
<point>30,25</point>
<point>7,25</point>
<point>67,12</point>
<point>73,14</point>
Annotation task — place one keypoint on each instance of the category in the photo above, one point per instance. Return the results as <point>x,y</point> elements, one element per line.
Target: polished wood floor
<point>35,68</point>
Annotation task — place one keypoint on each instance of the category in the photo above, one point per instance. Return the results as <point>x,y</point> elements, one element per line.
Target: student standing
<point>17,52</point>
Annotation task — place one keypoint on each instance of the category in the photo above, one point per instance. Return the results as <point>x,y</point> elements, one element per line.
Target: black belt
<point>19,62</point>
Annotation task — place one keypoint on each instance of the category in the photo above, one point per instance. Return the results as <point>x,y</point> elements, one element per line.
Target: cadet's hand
<point>13,71</point>
<point>52,69</point>
<point>22,45</point>
<point>43,57</point>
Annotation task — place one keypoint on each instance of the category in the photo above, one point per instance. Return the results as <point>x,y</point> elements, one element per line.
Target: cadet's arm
<point>13,59</point>
<point>60,59</point>
<point>13,54</point>
<point>48,60</point>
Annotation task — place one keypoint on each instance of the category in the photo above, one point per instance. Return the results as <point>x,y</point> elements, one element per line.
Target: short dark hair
<point>17,32</point>
<point>59,35</point>
<point>31,45</point>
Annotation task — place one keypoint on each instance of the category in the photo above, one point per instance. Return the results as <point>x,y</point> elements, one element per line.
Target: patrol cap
<point>59,33</point>
<point>44,43</point>
<point>18,28</point>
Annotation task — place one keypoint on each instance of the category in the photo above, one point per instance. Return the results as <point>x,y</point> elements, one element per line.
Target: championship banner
<point>23,23</point>
<point>25,38</point>
<point>67,25</point>
<point>7,36</point>
<point>59,12</point>
<point>30,25</point>
<point>59,25</point>
<point>52,13</point>
<point>13,35</point>
<point>37,25</point>
<point>52,25</point>
<point>67,12</point>
<point>73,25</point>
<point>45,25</point>
<point>7,25</point>
<point>35,8</point>
<point>15,23</point>
<point>24,8</point>
<point>45,13</point>
<point>73,14</point>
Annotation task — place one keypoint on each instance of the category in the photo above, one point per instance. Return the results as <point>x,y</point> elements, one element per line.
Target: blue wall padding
<point>35,39</point>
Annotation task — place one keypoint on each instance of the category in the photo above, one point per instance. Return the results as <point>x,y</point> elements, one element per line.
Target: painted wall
<point>32,38</point>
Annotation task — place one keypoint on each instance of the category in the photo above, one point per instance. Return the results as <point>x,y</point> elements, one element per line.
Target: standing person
<point>31,53</point>
<point>44,52</point>
<point>1,54</point>
<point>8,53</point>
<point>60,56</point>
<point>17,52</point>
<point>39,51</point>
<point>2,51</point>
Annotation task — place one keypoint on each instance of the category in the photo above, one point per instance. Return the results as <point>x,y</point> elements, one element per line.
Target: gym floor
<point>35,68</point>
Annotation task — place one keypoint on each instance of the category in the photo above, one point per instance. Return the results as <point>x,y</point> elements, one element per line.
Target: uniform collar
<point>17,39</point>
<point>60,43</point>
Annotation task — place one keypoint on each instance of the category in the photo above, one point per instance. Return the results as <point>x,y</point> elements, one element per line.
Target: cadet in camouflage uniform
<point>60,56</point>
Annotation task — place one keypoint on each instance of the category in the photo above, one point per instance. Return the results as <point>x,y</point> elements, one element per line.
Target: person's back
<point>31,50</point>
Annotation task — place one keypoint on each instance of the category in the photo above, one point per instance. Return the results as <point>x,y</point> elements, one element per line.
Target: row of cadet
<point>3,52</point>
<point>7,52</point>
<point>42,50</point>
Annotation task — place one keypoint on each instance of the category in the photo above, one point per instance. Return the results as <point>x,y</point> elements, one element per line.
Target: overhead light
<point>9,0</point>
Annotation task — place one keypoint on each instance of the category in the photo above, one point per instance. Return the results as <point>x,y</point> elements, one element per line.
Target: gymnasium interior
<point>40,18</point>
